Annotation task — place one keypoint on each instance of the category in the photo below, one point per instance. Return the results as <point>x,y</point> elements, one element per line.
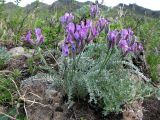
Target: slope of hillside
<point>70,5</point>
<point>140,10</point>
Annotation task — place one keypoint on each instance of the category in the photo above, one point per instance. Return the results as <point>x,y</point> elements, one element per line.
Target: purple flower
<point>102,23</point>
<point>62,20</point>
<point>65,50</point>
<point>94,10</point>
<point>83,24</point>
<point>140,47</point>
<point>130,32</point>
<point>94,31</point>
<point>76,35</point>
<point>73,48</point>
<point>39,36</point>
<point>70,27</point>
<point>28,37</point>
<point>67,18</point>
<point>83,32</point>
<point>89,23</point>
<point>38,32</point>
<point>112,38</point>
<point>124,34</point>
<point>39,40</point>
<point>136,47</point>
<point>69,38</point>
<point>86,24</point>
<point>133,48</point>
<point>112,35</point>
<point>123,45</point>
<point>78,27</point>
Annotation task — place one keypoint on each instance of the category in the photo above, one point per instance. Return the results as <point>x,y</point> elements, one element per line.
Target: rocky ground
<point>44,101</point>
<point>51,105</point>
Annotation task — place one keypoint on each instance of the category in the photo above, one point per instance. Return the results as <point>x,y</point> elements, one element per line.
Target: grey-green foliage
<point>4,57</point>
<point>109,85</point>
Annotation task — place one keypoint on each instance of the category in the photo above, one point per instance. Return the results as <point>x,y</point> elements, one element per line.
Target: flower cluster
<point>125,40</point>
<point>94,10</point>
<point>39,37</point>
<point>77,35</point>
<point>67,18</point>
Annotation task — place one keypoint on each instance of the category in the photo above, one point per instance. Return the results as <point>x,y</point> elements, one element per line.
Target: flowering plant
<point>125,40</point>
<point>67,18</point>
<point>36,44</point>
<point>79,35</point>
<point>97,70</point>
<point>39,37</point>
<point>94,10</point>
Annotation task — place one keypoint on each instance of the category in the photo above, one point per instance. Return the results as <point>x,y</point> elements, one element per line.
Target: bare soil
<point>151,109</point>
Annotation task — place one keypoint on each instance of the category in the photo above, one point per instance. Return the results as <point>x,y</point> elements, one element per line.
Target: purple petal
<point>123,45</point>
<point>94,31</point>
<point>78,27</point>
<point>65,50</point>
<point>130,32</point>
<point>134,47</point>
<point>89,23</point>
<point>140,47</point>
<point>70,17</point>
<point>69,38</point>
<point>83,24</point>
<point>66,15</point>
<point>94,10</point>
<point>124,34</point>
<point>76,35</point>
<point>112,35</point>
<point>73,48</point>
<point>67,18</point>
<point>28,36</point>
<point>70,27</point>
<point>83,33</point>
<point>38,32</point>
<point>62,20</point>
<point>40,40</point>
<point>102,23</point>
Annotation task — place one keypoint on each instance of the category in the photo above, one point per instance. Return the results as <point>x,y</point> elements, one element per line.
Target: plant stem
<point>41,56</point>
<point>108,55</point>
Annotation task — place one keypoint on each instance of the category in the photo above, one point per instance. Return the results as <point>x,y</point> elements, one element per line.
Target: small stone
<point>45,93</point>
<point>29,53</point>
<point>20,51</point>
<point>17,51</point>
